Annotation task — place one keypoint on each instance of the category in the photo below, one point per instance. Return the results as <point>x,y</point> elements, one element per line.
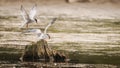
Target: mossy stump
<point>40,52</point>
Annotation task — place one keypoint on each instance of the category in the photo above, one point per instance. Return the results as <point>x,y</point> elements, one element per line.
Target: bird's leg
<point>27,25</point>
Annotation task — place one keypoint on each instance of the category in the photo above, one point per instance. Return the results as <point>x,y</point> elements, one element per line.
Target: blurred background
<point>70,1</point>
<point>88,31</point>
<point>61,1</point>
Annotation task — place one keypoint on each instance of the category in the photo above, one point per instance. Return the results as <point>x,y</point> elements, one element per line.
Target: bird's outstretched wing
<point>24,13</point>
<point>54,19</point>
<point>33,12</point>
<point>36,31</point>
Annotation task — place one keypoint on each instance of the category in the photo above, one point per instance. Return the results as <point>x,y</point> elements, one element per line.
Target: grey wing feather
<point>33,12</point>
<point>45,31</point>
<point>24,13</point>
<point>33,31</point>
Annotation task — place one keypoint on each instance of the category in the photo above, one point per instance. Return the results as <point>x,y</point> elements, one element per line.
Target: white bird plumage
<point>28,18</point>
<point>36,31</point>
<point>40,34</point>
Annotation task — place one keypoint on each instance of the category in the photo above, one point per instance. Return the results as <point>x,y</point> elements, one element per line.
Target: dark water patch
<point>8,49</point>
<point>111,49</point>
<point>56,65</point>
<point>10,57</point>
<point>7,17</point>
<point>112,24</point>
<point>76,57</point>
<point>117,23</point>
<point>13,46</point>
<point>1,35</point>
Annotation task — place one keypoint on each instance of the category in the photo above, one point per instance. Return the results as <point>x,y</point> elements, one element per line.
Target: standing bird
<point>28,18</point>
<point>40,34</point>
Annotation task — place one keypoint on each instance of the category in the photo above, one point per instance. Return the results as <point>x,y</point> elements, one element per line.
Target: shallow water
<point>74,57</point>
<point>89,40</point>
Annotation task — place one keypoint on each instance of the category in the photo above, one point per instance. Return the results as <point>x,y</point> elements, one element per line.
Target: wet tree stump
<point>40,52</point>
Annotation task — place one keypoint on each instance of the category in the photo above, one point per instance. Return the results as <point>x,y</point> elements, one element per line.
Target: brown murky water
<point>88,33</point>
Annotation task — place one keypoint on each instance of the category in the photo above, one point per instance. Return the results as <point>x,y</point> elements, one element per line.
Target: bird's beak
<point>36,20</point>
<point>48,36</point>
